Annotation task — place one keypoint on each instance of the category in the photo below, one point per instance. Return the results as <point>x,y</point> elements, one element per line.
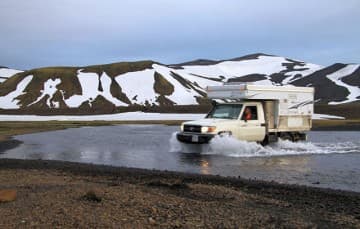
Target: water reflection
<point>203,162</point>
<point>296,163</point>
<point>205,167</point>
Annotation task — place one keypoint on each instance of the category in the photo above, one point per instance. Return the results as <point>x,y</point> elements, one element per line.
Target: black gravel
<point>312,198</point>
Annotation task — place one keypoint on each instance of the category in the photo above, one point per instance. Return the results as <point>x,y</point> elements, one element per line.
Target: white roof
<point>253,87</point>
<point>249,91</point>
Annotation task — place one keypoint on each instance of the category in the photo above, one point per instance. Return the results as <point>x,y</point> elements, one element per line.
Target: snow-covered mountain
<point>151,84</point>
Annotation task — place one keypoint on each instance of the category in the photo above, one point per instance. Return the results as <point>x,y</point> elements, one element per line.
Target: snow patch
<point>263,65</point>
<point>138,86</point>
<point>49,89</point>
<point>90,90</point>
<point>7,73</point>
<point>336,78</point>
<point>294,75</point>
<point>129,116</point>
<point>106,84</point>
<point>9,101</point>
<point>181,94</point>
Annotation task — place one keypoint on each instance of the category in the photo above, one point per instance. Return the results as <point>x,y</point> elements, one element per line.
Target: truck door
<point>251,128</point>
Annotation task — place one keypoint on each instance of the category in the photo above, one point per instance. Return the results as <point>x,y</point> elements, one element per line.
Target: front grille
<point>192,128</point>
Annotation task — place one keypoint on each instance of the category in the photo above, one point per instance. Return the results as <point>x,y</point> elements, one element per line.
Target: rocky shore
<point>64,194</point>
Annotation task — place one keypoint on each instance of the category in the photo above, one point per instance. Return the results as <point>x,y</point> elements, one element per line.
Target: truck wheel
<point>286,136</point>
<point>264,142</point>
<point>269,138</point>
<point>225,133</point>
<point>299,137</point>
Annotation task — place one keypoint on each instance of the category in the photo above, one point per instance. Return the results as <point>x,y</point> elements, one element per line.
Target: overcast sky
<point>37,33</point>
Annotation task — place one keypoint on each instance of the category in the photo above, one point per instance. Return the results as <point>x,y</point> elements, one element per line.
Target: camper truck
<point>258,113</point>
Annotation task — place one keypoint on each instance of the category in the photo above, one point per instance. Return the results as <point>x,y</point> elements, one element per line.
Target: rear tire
<point>299,137</point>
<point>286,136</point>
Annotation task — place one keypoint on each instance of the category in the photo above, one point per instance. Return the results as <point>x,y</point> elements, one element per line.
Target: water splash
<point>175,145</point>
<point>229,146</point>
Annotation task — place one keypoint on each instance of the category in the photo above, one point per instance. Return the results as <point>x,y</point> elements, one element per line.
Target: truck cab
<point>253,113</point>
<point>227,119</point>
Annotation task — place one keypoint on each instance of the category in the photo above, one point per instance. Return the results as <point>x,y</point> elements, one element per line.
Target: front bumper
<point>194,138</point>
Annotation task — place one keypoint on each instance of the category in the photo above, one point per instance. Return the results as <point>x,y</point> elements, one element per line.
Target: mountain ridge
<point>149,85</point>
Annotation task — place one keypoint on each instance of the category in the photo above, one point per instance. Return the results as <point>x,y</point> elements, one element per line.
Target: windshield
<point>227,111</point>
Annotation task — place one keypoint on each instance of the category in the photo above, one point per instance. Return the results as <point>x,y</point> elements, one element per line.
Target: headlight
<point>208,129</point>
<point>182,127</point>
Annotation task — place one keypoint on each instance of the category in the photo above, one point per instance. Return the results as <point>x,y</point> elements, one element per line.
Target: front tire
<point>269,138</point>
<point>225,133</point>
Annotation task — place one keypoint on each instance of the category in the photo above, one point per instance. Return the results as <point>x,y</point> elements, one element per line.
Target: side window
<point>250,113</point>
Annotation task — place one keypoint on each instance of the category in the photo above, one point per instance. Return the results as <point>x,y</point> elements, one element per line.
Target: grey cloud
<point>79,32</point>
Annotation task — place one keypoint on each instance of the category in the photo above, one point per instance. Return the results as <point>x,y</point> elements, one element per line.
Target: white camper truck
<point>259,113</point>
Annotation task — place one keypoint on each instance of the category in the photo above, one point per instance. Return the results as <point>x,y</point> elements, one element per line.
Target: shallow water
<point>329,159</point>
